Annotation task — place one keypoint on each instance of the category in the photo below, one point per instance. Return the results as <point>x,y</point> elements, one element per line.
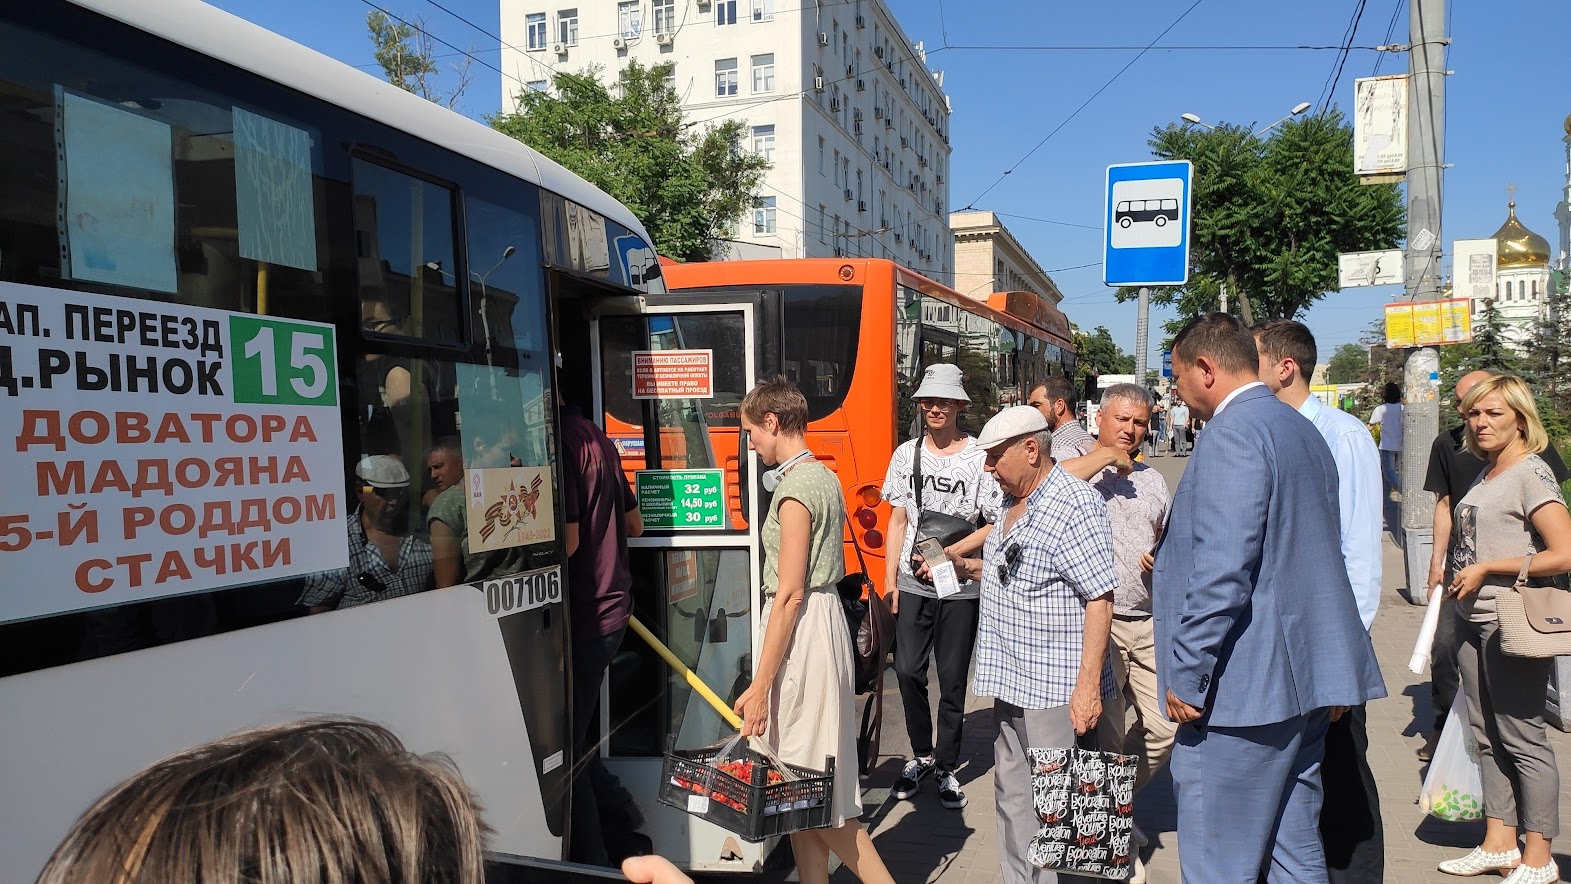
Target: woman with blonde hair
<point>801,701</point>
<point>1512,521</point>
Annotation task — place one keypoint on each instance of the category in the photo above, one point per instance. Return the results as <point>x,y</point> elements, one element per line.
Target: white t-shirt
<point>1389,417</point>
<point>953,484</point>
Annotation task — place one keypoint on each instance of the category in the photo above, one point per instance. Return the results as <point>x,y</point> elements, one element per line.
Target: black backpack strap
<point>916,467</point>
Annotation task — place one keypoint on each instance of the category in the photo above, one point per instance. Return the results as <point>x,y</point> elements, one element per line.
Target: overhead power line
<point>1083,105</point>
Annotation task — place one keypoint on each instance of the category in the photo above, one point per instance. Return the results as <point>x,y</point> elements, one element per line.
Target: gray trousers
<point>1505,706</point>
<point>1018,730</point>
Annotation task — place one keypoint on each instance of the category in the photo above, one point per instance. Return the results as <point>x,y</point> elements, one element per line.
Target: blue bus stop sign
<point>1146,224</point>
<point>1167,363</point>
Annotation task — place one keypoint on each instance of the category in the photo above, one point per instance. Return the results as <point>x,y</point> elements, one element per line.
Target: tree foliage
<point>1271,215</point>
<point>687,186</point>
<point>1347,364</point>
<point>1097,353</point>
<point>404,52</point>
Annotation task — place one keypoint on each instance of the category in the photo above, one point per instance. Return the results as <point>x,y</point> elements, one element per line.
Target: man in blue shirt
<point>1350,822</point>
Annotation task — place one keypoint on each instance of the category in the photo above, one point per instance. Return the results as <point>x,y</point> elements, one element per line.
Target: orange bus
<point>855,336</point>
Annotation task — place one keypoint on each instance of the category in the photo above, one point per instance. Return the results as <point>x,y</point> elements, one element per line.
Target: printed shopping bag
<point>1452,789</point>
<point>1085,801</point>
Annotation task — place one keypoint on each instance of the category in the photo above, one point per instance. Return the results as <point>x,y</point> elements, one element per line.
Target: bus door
<point>669,375</point>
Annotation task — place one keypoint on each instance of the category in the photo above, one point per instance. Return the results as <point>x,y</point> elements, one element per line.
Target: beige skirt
<point>813,709</point>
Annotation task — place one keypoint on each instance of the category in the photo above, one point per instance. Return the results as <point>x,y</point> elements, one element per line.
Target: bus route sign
<point>1146,223</point>
<point>681,500</point>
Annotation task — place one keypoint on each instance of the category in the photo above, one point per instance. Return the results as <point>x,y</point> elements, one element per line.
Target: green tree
<point>1546,360</point>
<point>1347,364</point>
<point>1097,353</point>
<point>403,49</point>
<point>1271,215</point>
<point>687,186</point>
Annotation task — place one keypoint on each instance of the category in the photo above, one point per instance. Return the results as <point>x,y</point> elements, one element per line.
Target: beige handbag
<point>1535,621</point>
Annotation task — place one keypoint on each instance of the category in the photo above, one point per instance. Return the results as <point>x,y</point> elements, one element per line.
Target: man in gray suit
<point>1257,631</point>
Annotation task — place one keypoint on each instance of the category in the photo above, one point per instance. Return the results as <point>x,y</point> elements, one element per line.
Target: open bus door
<point>668,376</point>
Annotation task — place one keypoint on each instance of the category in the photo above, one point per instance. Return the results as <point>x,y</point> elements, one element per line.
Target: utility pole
<point>1421,374</point>
<point>1142,335</point>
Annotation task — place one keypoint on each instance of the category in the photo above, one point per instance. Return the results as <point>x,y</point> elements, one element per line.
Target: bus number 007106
<point>523,592</point>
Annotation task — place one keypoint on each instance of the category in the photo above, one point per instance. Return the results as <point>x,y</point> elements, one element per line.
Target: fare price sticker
<point>682,500</point>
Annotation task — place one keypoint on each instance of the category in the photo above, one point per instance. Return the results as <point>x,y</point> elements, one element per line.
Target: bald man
<point>1452,472</point>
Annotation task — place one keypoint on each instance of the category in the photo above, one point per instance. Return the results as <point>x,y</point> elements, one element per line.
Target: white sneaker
<point>1137,875</point>
<point>1526,874</point>
<point>1482,862</point>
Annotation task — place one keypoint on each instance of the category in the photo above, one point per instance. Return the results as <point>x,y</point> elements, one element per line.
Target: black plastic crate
<point>754,810</point>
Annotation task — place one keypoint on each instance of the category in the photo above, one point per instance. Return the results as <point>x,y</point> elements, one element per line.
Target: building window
<point>725,12</point>
<point>536,85</point>
<point>534,30</point>
<point>763,10</point>
<point>1508,290</point>
<point>725,77</point>
<point>820,154</point>
<point>764,143</point>
<point>567,27</point>
<point>764,72</point>
<point>764,215</point>
<point>823,233</point>
<point>629,19</point>
<point>665,16</point>
<point>837,168</point>
<point>670,79</point>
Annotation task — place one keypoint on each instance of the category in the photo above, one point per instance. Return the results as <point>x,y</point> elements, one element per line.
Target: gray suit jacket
<point>1255,620</point>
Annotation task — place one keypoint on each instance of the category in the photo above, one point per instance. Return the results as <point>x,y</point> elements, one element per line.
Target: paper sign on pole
<point>1380,125</point>
<point>157,449</point>
<point>673,374</point>
<point>1369,268</point>
<point>1399,326</point>
<point>1428,323</point>
<point>1473,268</point>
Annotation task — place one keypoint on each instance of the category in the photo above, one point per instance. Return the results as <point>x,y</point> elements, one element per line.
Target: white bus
<point>231,269</point>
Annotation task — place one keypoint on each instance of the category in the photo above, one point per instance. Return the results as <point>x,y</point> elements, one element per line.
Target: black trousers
<point>1350,823</point>
<point>1444,675</point>
<point>946,630</point>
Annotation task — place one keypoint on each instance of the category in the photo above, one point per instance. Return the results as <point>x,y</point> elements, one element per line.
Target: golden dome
<point>1568,124</point>
<point>1516,246</point>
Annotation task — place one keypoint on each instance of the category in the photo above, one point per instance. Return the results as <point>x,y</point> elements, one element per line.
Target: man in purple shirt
<point>599,512</point>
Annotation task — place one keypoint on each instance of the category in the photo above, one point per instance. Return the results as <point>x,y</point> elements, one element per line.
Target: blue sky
<point>1504,105</point>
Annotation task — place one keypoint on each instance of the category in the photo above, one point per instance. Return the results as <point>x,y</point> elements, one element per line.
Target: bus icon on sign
<point>1147,213</point>
<point>1158,212</point>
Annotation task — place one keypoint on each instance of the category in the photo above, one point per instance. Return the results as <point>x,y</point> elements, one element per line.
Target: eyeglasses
<point>942,404</point>
<point>1011,555</point>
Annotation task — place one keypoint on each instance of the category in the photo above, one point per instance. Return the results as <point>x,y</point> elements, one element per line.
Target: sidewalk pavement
<point>922,841</point>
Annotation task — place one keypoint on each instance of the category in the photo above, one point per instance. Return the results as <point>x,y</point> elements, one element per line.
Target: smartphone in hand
<point>931,551</point>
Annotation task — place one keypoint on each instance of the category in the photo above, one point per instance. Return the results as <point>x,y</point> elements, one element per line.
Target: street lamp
<point>1299,108</point>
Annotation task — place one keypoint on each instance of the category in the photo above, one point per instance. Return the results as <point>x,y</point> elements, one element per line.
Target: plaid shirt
<point>1036,581</point>
<point>368,579</point>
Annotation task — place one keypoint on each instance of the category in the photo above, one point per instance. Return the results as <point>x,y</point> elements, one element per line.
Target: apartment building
<point>833,93</point>
<point>989,259</point>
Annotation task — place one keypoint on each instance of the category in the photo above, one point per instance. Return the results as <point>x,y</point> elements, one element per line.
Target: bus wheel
<point>1124,223</point>
<point>1161,220</point>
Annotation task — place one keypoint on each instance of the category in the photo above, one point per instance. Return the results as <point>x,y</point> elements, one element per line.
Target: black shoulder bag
<point>944,528</point>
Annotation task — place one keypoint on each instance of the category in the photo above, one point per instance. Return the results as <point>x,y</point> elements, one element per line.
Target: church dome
<point>1516,246</point>
<point>1568,124</point>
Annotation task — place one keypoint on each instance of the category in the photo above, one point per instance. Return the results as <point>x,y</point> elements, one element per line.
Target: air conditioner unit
<point>861,85</point>
<point>902,82</point>
<point>618,43</point>
<point>823,38</point>
<point>559,48</point>
<point>897,237</point>
<point>861,22</point>
<point>856,114</point>
<point>878,112</point>
<point>834,105</point>
<point>877,50</point>
<point>889,122</point>
<point>921,161</point>
<point>861,206</point>
<point>858,127</point>
<point>664,39</point>
<point>904,141</point>
<point>883,222</point>
<point>818,84</point>
<point>850,71</point>
<point>703,4</point>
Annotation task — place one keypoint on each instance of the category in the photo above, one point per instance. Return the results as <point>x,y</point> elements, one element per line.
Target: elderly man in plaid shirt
<point>1047,609</point>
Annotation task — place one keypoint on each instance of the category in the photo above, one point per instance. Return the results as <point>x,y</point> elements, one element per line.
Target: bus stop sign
<point>1147,223</point>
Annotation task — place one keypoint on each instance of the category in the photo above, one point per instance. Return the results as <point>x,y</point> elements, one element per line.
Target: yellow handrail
<point>692,678</point>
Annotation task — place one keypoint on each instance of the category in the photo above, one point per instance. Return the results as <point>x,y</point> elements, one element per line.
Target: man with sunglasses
<point>928,626</point>
<point>1047,575</point>
<point>385,561</point>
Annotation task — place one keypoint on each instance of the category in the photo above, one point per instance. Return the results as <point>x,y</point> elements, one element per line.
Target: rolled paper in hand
<point>1426,633</point>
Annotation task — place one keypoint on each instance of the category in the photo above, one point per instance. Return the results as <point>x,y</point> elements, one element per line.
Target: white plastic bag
<point>1452,789</point>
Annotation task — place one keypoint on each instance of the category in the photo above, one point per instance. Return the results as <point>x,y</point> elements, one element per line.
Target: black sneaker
<point>949,790</point>
<point>911,778</point>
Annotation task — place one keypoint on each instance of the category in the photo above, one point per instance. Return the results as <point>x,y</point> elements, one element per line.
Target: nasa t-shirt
<point>952,484</point>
